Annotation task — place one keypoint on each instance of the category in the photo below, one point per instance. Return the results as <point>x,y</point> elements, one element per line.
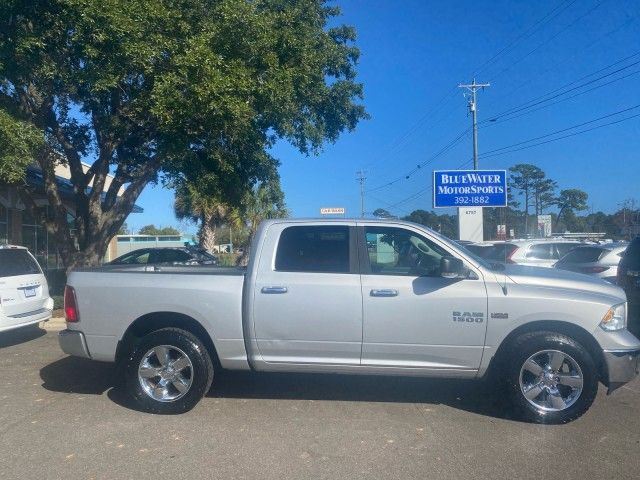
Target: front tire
<point>551,377</point>
<point>168,371</point>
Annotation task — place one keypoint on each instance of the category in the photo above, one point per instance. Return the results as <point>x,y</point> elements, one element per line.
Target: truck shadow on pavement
<point>20,335</point>
<point>473,396</point>
<point>81,376</point>
<point>78,375</point>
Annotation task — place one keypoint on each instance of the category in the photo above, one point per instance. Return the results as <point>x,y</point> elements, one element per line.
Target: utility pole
<point>473,88</point>
<point>361,177</point>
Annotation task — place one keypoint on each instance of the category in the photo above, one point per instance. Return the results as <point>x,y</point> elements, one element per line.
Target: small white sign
<point>332,211</point>
<point>544,225</point>
<point>470,224</point>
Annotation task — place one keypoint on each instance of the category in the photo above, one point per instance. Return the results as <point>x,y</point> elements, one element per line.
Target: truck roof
<point>341,220</point>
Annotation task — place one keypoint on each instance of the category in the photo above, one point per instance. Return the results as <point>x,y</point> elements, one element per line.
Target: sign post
<point>469,191</point>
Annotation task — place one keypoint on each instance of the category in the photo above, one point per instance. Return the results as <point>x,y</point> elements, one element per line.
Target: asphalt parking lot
<point>60,417</point>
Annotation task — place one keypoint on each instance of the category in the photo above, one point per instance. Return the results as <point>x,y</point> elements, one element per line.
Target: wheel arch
<point>571,330</point>
<point>151,322</point>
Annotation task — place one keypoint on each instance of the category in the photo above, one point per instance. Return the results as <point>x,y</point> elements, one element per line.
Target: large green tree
<point>152,90</point>
<point>569,201</point>
<point>445,224</point>
<point>151,229</point>
<point>523,180</point>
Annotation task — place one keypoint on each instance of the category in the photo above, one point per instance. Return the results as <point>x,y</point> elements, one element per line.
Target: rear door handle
<point>384,292</point>
<point>274,290</point>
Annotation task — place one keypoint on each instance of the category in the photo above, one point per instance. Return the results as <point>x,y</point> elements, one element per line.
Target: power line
<point>541,99</point>
<point>416,194</point>
<point>567,136</point>
<point>547,41</point>
<point>418,167</point>
<point>451,93</point>
<point>473,109</point>
<point>528,32</point>
<point>505,150</point>
<point>528,105</point>
<point>527,112</point>
<point>564,60</point>
<point>501,150</point>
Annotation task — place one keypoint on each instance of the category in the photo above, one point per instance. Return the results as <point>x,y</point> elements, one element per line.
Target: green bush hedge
<point>227,259</point>
<point>58,301</point>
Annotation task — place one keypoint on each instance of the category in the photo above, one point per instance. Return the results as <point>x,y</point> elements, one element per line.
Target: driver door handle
<point>385,292</point>
<point>274,289</point>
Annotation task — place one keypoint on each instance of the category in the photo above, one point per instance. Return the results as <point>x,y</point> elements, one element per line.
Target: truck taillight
<point>70,305</point>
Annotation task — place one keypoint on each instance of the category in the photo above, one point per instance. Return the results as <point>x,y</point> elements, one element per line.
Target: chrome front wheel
<point>551,380</point>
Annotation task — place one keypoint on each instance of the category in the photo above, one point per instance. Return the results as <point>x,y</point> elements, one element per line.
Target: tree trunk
<point>558,219</point>
<point>207,233</point>
<point>90,256</point>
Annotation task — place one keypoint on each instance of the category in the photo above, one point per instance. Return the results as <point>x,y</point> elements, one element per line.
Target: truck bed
<point>113,298</point>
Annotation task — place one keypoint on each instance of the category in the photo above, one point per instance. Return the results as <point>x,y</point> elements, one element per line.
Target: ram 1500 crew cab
<point>355,296</point>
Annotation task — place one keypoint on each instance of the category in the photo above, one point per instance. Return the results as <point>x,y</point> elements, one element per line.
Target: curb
<point>54,324</point>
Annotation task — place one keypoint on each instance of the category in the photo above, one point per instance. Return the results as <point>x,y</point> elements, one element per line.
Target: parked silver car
<point>597,260</point>
<point>166,256</point>
<point>537,253</point>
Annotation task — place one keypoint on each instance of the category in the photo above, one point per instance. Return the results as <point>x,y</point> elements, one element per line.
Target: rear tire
<point>168,371</point>
<point>551,377</point>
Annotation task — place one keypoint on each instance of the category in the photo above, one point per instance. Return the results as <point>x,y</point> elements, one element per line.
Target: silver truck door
<point>413,317</point>
<point>307,304</point>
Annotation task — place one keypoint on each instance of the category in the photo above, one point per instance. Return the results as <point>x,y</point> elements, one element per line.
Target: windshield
<point>459,246</point>
<point>475,257</point>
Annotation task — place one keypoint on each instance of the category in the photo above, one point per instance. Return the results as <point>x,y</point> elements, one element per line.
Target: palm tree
<point>195,202</point>
<point>263,202</point>
<point>209,211</point>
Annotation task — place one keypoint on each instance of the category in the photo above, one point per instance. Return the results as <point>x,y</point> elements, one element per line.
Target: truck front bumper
<point>622,367</point>
<point>73,343</point>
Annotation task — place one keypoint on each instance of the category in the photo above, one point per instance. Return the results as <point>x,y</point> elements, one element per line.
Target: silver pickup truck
<point>355,296</point>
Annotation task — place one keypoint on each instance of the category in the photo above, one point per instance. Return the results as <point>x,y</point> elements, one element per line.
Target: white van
<point>24,293</point>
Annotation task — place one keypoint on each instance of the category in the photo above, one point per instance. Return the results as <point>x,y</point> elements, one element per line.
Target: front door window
<point>396,251</point>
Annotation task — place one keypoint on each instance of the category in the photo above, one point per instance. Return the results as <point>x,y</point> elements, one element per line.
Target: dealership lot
<point>61,418</point>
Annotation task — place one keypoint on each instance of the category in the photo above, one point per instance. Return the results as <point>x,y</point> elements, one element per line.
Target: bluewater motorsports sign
<point>469,188</point>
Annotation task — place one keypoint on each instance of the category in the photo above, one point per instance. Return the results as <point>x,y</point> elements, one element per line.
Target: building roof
<point>34,178</point>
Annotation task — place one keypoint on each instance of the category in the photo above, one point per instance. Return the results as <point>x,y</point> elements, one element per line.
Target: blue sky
<point>413,55</point>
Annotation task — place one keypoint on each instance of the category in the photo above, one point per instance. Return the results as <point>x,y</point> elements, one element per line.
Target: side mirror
<point>451,267</point>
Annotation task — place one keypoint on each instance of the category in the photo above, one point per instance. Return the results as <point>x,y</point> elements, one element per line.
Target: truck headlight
<point>615,318</point>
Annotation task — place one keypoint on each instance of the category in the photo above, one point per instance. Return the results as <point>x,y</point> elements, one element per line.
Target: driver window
<point>396,251</point>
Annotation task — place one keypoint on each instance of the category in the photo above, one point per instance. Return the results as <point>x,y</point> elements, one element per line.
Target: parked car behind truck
<point>537,253</point>
<point>355,296</point>
<point>597,260</point>
<point>629,280</point>
<point>166,256</point>
<point>24,293</point>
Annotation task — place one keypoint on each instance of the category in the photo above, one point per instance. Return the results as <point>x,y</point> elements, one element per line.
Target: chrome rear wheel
<point>165,373</point>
